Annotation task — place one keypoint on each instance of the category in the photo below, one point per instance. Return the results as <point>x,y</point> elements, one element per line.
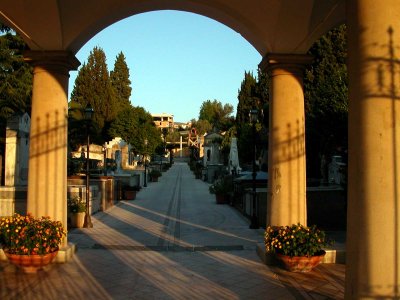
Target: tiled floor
<point>172,242</point>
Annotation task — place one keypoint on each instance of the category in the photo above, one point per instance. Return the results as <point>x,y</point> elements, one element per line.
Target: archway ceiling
<point>271,26</point>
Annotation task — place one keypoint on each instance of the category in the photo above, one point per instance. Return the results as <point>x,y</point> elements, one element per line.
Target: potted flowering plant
<point>154,174</point>
<point>221,188</point>
<point>130,192</point>
<point>30,242</point>
<point>76,205</point>
<point>300,248</point>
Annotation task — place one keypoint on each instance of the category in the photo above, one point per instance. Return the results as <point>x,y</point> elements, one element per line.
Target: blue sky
<point>176,60</point>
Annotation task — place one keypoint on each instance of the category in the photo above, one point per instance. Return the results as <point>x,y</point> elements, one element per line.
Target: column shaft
<point>286,202</point>
<point>47,176</point>
<point>373,235</point>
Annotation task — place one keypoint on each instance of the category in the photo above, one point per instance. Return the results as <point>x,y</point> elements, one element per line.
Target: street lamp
<point>88,114</point>
<point>253,114</point>
<point>145,164</point>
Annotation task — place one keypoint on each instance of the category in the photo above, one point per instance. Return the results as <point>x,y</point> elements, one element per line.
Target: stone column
<point>373,222</point>
<point>286,203</point>
<point>47,175</point>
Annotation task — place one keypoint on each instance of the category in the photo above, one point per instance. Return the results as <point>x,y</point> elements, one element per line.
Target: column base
<point>66,253</point>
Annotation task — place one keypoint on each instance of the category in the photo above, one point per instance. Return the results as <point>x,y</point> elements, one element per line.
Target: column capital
<point>293,63</point>
<point>58,61</point>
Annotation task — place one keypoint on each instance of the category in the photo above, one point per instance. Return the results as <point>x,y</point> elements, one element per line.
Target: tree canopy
<point>134,125</point>
<point>15,75</point>
<point>202,126</point>
<point>217,114</point>
<point>108,94</point>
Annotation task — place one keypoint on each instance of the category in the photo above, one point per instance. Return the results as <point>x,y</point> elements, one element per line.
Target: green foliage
<point>76,125</point>
<point>325,82</point>
<point>15,79</point>
<point>216,114</point>
<point>173,137</point>
<point>15,76</point>
<point>246,97</point>
<point>245,140</point>
<point>75,166</point>
<point>120,82</point>
<point>202,126</point>
<point>252,94</point>
<point>93,87</point>
<point>76,205</point>
<point>226,143</point>
<point>222,185</point>
<point>295,240</point>
<point>326,98</point>
<point>134,125</point>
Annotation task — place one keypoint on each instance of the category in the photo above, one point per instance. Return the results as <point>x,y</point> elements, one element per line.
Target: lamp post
<point>164,134</point>
<point>253,118</point>
<point>145,163</point>
<point>88,117</point>
<point>105,160</point>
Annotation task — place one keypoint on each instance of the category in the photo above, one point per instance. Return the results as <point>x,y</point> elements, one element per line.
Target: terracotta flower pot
<point>130,195</point>
<point>77,219</point>
<point>31,263</point>
<point>220,198</point>
<point>300,263</point>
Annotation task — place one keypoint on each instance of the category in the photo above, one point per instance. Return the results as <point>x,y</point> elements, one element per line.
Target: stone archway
<point>281,31</point>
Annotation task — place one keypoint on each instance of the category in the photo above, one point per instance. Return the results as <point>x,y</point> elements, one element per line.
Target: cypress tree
<point>246,98</point>
<point>120,81</point>
<point>93,87</point>
<point>246,102</point>
<point>326,99</point>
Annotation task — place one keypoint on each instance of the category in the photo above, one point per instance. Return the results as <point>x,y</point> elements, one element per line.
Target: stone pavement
<point>172,242</point>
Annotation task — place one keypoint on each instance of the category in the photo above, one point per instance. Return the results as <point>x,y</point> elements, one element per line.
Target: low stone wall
<point>261,205</point>
<point>103,191</point>
<point>326,206</point>
<point>103,194</point>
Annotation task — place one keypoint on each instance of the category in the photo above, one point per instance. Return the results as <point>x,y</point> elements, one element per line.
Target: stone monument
<point>17,150</point>
<point>13,194</point>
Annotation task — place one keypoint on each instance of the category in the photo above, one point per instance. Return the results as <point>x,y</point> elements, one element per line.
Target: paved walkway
<point>172,242</point>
